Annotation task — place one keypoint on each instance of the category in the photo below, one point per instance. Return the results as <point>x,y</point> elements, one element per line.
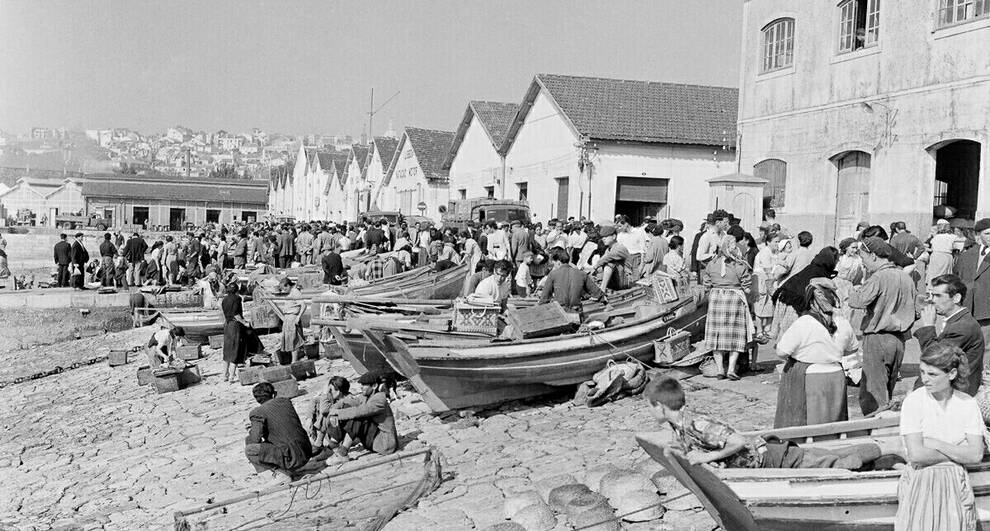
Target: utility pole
<point>372,111</point>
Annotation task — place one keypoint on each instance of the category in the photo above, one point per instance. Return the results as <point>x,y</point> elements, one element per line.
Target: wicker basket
<point>481,318</point>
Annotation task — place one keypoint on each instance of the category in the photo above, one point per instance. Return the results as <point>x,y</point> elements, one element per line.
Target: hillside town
<point>620,296</point>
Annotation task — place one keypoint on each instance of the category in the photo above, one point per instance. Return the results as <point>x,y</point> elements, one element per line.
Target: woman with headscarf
<point>235,344</point>
<point>813,384</point>
<point>729,327</point>
<point>789,299</point>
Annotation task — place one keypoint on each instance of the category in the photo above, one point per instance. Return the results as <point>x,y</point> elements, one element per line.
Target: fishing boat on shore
<point>778,499</point>
<point>459,374</point>
<point>419,283</point>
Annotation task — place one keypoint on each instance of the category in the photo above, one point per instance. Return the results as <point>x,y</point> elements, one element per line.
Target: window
<point>490,192</point>
<point>212,216</point>
<point>859,24</point>
<point>463,193</point>
<point>523,191</point>
<point>775,172</point>
<point>956,11</point>
<point>778,44</point>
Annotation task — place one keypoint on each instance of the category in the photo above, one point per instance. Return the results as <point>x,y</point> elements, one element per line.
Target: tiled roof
<point>431,149</point>
<point>222,191</point>
<point>339,161</point>
<point>495,118</point>
<point>639,111</point>
<point>386,149</point>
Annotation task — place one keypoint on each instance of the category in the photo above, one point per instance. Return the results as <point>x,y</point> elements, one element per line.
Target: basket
<point>482,318</point>
<point>709,368</point>
<point>671,348</point>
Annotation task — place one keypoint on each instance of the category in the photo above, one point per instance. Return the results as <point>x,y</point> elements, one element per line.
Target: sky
<point>302,66</point>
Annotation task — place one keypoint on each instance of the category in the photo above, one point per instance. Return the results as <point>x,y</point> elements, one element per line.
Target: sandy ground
<point>27,327</point>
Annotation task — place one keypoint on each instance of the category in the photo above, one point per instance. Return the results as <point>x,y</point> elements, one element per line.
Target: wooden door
<point>852,198</point>
<point>563,188</point>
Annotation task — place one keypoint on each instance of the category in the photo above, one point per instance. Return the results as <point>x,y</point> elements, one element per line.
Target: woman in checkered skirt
<point>729,327</point>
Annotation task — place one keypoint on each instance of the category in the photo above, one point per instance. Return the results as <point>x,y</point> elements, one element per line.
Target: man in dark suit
<point>945,320</point>
<point>286,247</point>
<point>133,252</point>
<point>277,440</point>
<point>973,267</point>
<point>63,257</point>
<point>79,257</point>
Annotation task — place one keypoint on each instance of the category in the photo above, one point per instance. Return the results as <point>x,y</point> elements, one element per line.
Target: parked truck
<point>92,221</point>
<point>483,209</point>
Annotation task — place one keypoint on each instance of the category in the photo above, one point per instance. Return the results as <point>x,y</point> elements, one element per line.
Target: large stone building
<point>593,147</point>
<point>859,110</point>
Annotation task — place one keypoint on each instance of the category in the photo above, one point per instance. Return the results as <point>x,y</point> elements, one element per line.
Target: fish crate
<point>216,341</point>
<point>118,357</point>
<point>189,352</point>
<point>167,381</point>
<point>540,321</point>
<point>144,375</point>
<point>275,374</point>
<point>303,369</point>
<point>286,388</point>
<point>481,318</point>
<point>249,375</point>
<point>311,349</point>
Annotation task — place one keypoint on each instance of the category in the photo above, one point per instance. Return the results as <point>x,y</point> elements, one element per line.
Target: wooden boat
<point>453,375</point>
<point>809,499</point>
<point>199,325</point>
<point>420,283</point>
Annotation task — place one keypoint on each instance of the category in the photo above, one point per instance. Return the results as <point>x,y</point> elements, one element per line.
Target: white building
<point>416,176</point>
<point>379,159</point>
<point>858,110</point>
<point>593,147</point>
<point>475,159</point>
<point>356,191</point>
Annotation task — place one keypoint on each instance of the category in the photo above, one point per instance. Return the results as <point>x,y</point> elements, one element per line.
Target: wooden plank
<point>401,360</point>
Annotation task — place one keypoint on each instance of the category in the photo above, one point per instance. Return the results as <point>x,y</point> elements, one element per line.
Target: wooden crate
<point>481,318</point>
<point>166,383</point>
<point>216,341</point>
<point>249,375</point>
<point>286,388</point>
<point>144,376</point>
<point>540,321</point>
<point>189,352</point>
<point>190,376</point>
<point>311,350</point>
<point>118,357</point>
<point>264,316</point>
<point>303,369</point>
<point>275,374</point>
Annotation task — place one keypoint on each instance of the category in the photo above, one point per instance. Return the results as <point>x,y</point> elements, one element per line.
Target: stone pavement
<point>90,449</point>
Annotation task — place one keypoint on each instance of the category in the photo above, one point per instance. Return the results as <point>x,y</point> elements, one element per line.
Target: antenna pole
<point>371,114</point>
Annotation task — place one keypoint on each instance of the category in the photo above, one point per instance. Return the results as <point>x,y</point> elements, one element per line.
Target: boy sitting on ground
<point>706,440</point>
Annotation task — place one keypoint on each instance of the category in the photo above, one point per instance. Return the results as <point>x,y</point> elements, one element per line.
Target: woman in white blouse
<point>942,429</point>
<point>813,385</point>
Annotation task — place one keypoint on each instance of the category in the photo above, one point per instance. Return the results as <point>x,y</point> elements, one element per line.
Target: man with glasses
<point>946,320</point>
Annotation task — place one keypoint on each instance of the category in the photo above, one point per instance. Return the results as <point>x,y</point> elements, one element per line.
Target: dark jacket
<point>964,332</point>
<point>134,249</point>
<point>333,268</point>
<point>286,244</point>
<point>276,422</point>
<point>977,279</point>
<point>377,410</point>
<point>107,248</point>
<point>79,255</point>
<point>63,253</point>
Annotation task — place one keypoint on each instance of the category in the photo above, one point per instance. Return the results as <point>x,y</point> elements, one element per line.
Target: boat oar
<point>398,356</point>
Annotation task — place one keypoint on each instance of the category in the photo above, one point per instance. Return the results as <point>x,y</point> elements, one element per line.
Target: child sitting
<point>706,440</point>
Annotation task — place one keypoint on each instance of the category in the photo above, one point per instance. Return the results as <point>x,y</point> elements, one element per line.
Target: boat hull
<point>462,376</point>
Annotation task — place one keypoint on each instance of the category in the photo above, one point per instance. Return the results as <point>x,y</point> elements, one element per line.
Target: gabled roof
<point>495,118</point>
<point>338,168</point>
<point>386,149</point>
<point>431,147</point>
<point>637,111</point>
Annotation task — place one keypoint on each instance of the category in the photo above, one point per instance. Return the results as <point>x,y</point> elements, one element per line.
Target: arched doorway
<point>957,176</point>
<point>852,197</point>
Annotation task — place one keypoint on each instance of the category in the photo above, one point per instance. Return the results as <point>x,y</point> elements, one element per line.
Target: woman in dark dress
<point>235,343</point>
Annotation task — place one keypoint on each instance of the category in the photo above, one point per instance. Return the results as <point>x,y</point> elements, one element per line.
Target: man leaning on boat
<point>707,440</point>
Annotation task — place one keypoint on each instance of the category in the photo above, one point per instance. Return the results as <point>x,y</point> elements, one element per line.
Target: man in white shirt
<point>497,287</point>
<point>498,242</point>
<point>632,238</point>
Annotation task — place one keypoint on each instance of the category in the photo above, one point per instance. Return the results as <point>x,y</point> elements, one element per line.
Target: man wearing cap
<point>133,252</point>
<point>972,267</point>
<point>107,252</point>
<point>79,256</point>
<point>888,296</point>
<point>617,273</point>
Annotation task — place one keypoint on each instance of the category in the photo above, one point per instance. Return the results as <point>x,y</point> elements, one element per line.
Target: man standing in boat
<point>568,285</point>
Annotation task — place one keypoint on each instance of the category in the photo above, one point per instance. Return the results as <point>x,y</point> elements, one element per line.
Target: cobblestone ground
<point>90,449</point>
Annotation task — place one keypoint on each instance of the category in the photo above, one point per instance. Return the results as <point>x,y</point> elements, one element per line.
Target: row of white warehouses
<point>574,146</point>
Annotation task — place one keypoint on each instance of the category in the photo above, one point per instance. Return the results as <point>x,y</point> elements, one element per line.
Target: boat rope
<point>57,370</point>
<point>620,517</point>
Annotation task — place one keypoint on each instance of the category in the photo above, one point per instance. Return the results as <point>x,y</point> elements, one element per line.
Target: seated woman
<point>942,429</point>
<point>370,422</point>
<point>707,440</point>
<point>813,385</point>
